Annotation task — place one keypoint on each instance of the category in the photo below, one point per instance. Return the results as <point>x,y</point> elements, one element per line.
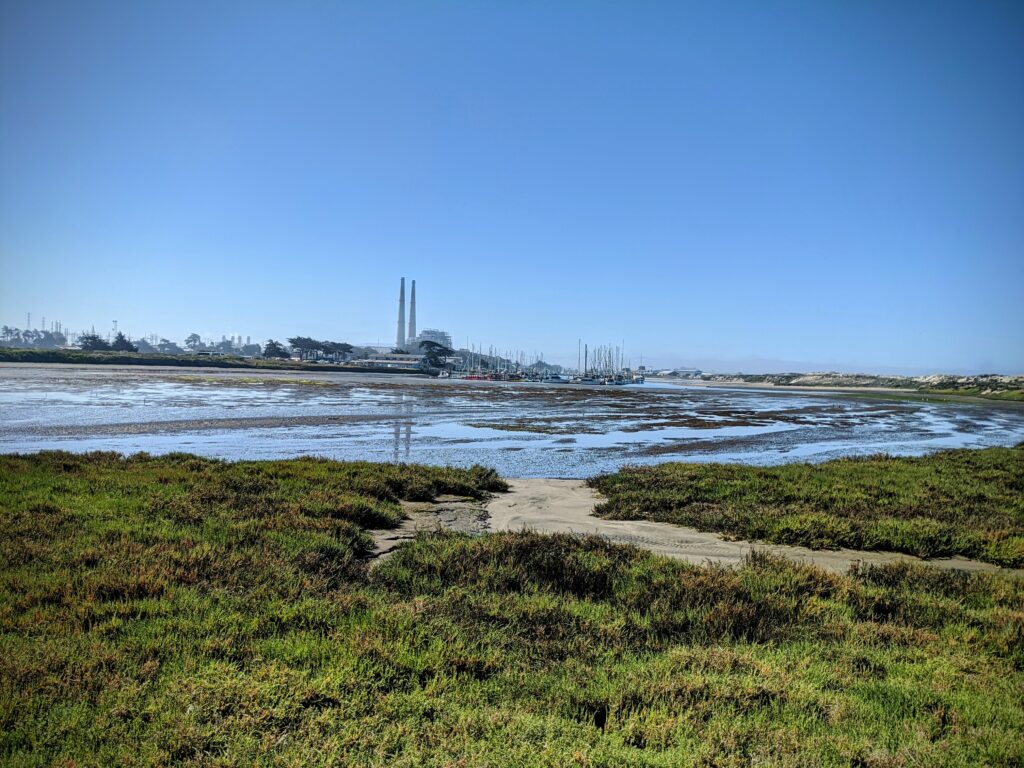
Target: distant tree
<point>544,367</point>
<point>275,349</point>
<point>121,344</point>
<point>93,342</point>
<point>224,347</point>
<point>299,343</point>
<point>51,339</point>
<point>194,342</point>
<point>251,350</point>
<point>435,353</point>
<point>307,347</point>
<point>433,346</point>
<point>399,351</point>
<point>337,349</point>
<point>168,347</point>
<point>145,347</point>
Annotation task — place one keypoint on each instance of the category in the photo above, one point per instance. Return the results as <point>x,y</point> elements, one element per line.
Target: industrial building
<point>431,334</point>
<point>406,336</point>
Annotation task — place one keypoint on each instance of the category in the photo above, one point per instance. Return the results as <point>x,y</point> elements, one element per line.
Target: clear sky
<point>737,185</point>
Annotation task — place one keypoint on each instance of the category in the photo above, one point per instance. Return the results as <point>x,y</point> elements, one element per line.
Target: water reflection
<point>402,442</point>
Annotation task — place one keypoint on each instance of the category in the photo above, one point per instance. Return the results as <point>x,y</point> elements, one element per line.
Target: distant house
<point>682,373</point>
<point>392,360</point>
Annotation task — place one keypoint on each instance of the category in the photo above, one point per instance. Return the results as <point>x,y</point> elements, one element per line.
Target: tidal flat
<point>522,430</point>
<point>210,610</point>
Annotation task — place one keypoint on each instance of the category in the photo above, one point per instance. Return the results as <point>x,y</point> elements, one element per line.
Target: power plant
<point>400,337</point>
<point>412,315</point>
<point>409,338</point>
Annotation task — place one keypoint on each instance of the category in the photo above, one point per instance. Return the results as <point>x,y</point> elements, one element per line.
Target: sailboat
<point>587,377</point>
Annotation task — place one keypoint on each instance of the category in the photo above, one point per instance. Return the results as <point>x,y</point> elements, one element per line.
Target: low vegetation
<point>1015,395</point>
<point>985,386</point>
<point>179,610</point>
<point>960,502</point>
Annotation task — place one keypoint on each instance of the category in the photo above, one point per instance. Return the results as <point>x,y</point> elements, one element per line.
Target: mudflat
<point>520,429</point>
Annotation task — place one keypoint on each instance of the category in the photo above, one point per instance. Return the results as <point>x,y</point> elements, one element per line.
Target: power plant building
<point>406,337</point>
<point>431,334</point>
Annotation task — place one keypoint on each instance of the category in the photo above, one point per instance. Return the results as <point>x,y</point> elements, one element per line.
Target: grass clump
<point>959,502</point>
<point>190,612</point>
<point>1015,395</point>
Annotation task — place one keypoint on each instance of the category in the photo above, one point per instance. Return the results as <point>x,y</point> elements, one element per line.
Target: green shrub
<point>962,502</point>
<point>180,611</point>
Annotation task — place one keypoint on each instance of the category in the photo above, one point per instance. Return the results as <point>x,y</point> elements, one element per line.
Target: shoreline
<point>887,392</point>
<point>356,377</point>
<point>522,429</point>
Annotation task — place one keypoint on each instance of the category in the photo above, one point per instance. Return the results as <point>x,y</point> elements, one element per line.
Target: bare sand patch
<point>565,506</point>
<point>447,513</point>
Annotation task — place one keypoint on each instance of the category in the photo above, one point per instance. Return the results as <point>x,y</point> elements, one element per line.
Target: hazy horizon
<point>734,187</point>
<point>749,364</point>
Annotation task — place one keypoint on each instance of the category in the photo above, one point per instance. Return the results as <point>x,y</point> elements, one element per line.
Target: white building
<point>431,334</point>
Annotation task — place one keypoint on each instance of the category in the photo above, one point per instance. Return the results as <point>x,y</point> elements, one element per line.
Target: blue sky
<point>737,185</point>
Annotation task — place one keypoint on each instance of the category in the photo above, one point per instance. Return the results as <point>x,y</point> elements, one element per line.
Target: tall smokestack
<point>400,339</point>
<point>412,314</point>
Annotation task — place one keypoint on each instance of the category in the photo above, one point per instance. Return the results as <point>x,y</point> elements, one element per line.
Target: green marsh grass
<point>182,611</point>
<point>1016,395</point>
<point>959,502</point>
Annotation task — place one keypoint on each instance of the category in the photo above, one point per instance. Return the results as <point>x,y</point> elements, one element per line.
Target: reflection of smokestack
<point>400,339</point>
<point>412,314</point>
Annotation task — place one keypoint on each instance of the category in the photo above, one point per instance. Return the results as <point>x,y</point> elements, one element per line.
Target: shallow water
<point>558,430</point>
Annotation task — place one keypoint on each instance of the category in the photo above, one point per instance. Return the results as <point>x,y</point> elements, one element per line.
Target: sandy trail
<point>564,506</point>
<point>448,512</point>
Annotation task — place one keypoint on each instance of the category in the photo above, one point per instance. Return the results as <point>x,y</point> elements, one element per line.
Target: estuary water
<point>523,430</point>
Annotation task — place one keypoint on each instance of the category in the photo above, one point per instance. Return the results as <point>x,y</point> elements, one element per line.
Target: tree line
<point>92,342</point>
<point>306,347</point>
<point>15,337</point>
<point>311,349</point>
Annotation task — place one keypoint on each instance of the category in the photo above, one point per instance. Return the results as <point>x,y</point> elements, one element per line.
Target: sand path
<point>564,506</point>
